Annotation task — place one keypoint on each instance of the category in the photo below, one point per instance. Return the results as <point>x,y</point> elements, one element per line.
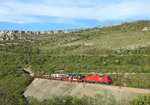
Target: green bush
<point>106,99</point>
<point>141,100</point>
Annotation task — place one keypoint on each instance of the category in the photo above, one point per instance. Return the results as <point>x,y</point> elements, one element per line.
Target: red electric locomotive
<point>98,79</point>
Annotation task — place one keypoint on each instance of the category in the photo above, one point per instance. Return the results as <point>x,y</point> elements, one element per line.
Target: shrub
<point>143,99</point>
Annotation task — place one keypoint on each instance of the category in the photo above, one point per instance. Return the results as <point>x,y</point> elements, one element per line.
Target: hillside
<point>123,47</point>
<point>94,41</point>
<point>98,48</point>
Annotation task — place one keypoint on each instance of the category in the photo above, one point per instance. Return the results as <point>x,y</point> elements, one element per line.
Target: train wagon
<point>73,77</point>
<point>57,76</point>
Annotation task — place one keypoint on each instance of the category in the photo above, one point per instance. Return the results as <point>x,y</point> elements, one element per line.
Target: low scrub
<point>97,99</point>
<point>141,100</point>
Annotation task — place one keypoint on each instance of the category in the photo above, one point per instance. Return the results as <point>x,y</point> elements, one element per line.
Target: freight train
<point>78,77</point>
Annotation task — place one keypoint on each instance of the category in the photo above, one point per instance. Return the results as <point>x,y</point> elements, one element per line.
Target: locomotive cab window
<point>109,78</point>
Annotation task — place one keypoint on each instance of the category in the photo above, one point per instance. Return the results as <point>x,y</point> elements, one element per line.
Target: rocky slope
<point>10,35</point>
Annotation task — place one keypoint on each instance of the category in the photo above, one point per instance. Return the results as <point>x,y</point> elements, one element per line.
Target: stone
<point>145,29</point>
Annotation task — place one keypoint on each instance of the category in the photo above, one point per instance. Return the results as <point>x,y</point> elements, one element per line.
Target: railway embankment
<point>45,89</point>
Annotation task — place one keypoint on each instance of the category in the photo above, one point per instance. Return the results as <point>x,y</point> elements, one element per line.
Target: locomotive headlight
<point>100,78</point>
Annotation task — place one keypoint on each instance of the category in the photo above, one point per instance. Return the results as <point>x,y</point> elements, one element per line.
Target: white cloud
<point>33,11</point>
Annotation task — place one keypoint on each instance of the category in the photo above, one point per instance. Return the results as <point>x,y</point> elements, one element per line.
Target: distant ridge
<point>11,34</point>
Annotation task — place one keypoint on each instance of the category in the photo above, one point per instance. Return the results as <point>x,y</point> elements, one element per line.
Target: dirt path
<point>44,89</point>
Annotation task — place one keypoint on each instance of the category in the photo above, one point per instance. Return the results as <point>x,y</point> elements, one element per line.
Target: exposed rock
<point>1,39</point>
<point>110,25</point>
<point>145,29</point>
<point>12,38</point>
<point>22,38</point>
<point>7,35</point>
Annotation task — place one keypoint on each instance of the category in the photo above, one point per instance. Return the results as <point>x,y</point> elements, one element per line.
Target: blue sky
<point>43,15</point>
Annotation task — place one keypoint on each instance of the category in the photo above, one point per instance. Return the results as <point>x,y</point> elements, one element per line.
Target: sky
<point>44,15</point>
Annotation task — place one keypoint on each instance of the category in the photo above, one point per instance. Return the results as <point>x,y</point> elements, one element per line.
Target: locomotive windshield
<point>109,78</point>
